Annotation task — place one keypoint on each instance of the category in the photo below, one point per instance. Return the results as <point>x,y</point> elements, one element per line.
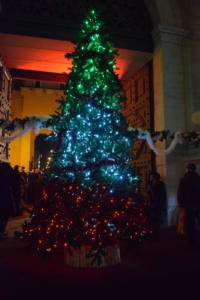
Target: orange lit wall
<point>28,102</point>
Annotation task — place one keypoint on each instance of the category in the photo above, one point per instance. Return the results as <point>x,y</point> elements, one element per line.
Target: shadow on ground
<point>168,269</point>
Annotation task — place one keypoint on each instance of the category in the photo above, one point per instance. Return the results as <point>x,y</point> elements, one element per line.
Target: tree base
<point>79,258</point>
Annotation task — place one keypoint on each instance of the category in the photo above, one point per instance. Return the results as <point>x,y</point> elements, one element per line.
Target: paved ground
<point>168,269</point>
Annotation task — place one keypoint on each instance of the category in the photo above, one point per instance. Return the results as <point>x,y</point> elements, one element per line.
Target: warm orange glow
<point>48,55</point>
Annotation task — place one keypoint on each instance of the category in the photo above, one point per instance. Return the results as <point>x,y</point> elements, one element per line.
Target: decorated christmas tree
<point>91,190</point>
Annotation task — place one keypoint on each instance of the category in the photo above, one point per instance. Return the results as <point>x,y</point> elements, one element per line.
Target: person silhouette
<point>6,188</point>
<point>188,197</point>
<point>158,204</point>
<point>17,189</point>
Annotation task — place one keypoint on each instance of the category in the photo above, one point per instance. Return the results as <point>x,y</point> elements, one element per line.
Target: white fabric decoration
<point>35,123</point>
<point>18,131</point>
<point>145,135</point>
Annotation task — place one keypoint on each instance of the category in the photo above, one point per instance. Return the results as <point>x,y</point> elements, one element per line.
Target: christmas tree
<point>90,191</point>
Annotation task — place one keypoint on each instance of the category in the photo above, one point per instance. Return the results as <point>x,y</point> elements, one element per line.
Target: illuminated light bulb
<point>112,200</point>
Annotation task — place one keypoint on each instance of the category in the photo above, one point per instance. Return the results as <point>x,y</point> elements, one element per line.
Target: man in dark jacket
<point>189,198</point>
<point>17,190</point>
<point>6,182</point>
<point>158,204</point>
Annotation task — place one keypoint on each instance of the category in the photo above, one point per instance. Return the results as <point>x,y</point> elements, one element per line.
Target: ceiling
<point>48,55</point>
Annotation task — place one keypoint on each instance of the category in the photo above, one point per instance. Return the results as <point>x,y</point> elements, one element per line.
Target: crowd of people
<point>18,188</point>
<point>188,200</point>
<point>18,191</point>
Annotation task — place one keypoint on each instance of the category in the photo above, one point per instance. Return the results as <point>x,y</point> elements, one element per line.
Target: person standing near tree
<point>33,185</point>
<point>17,190</point>
<point>158,204</point>
<point>24,177</point>
<point>6,185</point>
<point>189,199</point>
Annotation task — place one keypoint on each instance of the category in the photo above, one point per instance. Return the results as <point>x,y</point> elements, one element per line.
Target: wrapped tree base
<point>80,258</point>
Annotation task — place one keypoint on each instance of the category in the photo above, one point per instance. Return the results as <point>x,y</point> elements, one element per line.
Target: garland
<point>19,127</point>
<point>146,135</point>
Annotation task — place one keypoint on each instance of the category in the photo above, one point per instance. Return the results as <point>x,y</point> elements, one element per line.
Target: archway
<point>42,150</point>
<point>165,12</point>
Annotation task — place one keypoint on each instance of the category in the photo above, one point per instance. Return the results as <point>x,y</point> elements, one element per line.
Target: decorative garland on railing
<point>19,127</point>
<point>146,135</point>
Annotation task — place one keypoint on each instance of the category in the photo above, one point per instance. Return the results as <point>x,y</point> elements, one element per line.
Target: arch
<point>165,12</point>
<point>42,150</point>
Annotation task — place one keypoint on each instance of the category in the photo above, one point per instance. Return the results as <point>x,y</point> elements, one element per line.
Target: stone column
<point>170,103</point>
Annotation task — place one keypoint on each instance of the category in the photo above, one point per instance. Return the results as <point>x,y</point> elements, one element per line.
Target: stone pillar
<point>170,103</point>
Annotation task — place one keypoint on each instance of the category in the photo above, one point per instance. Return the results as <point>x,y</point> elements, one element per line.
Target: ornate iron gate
<point>138,110</point>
